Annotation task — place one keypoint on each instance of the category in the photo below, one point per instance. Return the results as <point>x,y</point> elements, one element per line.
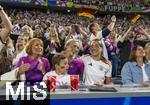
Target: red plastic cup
<point>74,81</point>
<point>52,80</point>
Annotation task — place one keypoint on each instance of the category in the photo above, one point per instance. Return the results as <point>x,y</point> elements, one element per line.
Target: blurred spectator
<point>147,52</point>
<point>111,44</point>
<point>6,46</point>
<point>7,26</point>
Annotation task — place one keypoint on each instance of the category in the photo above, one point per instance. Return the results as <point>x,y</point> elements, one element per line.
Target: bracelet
<point>113,21</point>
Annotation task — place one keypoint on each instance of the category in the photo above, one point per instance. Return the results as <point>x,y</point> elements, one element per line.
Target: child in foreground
<point>60,68</point>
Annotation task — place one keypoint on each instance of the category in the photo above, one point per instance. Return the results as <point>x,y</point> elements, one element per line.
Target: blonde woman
<point>55,42</point>
<point>97,70</point>
<point>71,50</point>
<point>27,31</point>
<point>20,48</point>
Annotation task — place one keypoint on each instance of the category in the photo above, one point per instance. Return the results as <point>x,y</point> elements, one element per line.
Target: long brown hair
<point>133,57</point>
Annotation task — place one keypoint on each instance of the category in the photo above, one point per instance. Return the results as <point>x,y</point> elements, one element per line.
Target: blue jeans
<point>114,61</point>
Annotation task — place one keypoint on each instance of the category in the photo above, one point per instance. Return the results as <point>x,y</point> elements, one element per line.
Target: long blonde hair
<point>52,30</point>
<point>29,31</point>
<point>101,45</point>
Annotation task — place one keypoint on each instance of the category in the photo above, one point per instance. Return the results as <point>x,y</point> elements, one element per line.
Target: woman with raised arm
<point>5,32</point>
<point>98,33</point>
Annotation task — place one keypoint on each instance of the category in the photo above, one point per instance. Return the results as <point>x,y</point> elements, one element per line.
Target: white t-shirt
<point>60,79</point>
<point>1,45</point>
<point>18,56</point>
<point>95,71</point>
<point>145,77</point>
<point>99,36</point>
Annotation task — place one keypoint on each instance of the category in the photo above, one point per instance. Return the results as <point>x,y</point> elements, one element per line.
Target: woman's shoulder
<point>130,63</point>
<point>107,62</point>
<point>44,59</point>
<point>77,59</point>
<point>24,58</point>
<point>85,57</point>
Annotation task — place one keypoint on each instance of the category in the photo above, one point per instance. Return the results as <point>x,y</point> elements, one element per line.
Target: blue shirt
<point>132,73</point>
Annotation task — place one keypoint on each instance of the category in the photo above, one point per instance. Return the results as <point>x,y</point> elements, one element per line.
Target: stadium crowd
<point>35,44</point>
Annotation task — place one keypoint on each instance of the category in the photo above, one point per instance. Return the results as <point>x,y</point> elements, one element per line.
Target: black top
<point>125,49</point>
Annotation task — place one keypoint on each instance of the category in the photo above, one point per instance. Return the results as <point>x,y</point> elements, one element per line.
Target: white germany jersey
<point>95,71</point>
